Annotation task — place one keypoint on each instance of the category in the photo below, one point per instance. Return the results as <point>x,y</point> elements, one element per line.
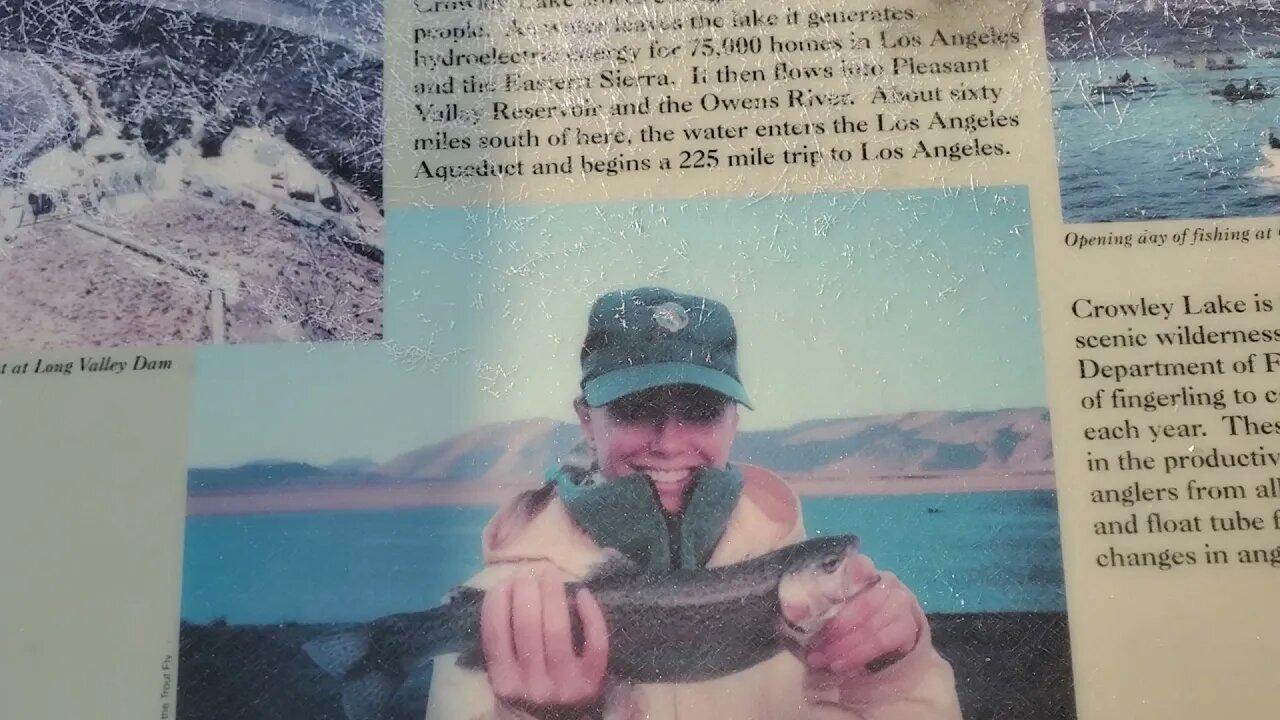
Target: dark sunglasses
<point>695,406</point>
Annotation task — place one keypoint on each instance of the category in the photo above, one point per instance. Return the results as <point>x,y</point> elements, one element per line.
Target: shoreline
<point>1008,666</point>
<point>400,495</point>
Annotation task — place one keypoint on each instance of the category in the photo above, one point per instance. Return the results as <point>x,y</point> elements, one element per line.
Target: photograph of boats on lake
<point>902,399</point>
<point>1164,112</point>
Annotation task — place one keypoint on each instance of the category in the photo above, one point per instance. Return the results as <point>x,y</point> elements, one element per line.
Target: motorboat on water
<point>1269,165</point>
<point>1248,91</point>
<point>1124,87</point>
<point>1125,91</point>
<point>1227,63</point>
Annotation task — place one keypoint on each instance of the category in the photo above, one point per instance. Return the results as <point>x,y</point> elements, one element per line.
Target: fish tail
<point>384,643</point>
<point>372,661</point>
<point>339,653</point>
<point>346,656</point>
<point>368,696</point>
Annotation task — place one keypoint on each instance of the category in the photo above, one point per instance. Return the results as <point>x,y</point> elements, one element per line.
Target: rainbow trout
<point>683,626</point>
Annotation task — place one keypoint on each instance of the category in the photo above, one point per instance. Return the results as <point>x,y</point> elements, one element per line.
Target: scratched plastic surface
<point>212,173</point>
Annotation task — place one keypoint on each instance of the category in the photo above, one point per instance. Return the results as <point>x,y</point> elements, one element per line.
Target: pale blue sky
<point>847,304</point>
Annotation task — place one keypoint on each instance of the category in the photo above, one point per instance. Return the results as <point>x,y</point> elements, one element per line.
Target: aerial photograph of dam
<point>190,172</point>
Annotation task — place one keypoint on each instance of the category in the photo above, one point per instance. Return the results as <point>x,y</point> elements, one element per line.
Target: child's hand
<point>528,645</point>
<point>874,629</point>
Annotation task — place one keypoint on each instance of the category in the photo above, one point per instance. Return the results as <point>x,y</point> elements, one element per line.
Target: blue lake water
<point>1179,152</point>
<point>980,552</point>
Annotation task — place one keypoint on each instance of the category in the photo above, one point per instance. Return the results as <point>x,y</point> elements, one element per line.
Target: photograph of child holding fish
<point>654,485</point>
<point>659,414</point>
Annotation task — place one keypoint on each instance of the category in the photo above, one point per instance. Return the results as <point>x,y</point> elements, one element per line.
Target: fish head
<point>816,584</point>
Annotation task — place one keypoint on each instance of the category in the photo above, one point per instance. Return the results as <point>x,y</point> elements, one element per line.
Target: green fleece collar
<point>625,514</point>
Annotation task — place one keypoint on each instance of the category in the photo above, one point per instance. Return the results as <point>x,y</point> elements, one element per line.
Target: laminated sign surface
<point>639,359</point>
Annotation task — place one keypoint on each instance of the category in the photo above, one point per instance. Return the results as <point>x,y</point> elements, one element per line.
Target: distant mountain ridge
<point>514,454</point>
<point>274,474</point>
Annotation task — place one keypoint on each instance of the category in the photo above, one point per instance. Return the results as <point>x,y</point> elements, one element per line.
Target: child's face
<point>666,433</point>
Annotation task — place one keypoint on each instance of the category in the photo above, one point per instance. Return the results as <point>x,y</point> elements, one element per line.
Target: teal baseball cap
<point>649,337</point>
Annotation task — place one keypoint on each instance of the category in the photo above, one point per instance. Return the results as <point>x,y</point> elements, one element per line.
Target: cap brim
<point>613,385</point>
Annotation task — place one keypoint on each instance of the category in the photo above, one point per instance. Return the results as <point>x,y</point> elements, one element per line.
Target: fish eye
<point>830,563</point>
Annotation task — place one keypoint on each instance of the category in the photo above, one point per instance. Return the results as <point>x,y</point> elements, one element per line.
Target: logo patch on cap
<point>670,316</point>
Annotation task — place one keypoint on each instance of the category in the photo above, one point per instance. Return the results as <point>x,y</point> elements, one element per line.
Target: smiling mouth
<point>668,477</point>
